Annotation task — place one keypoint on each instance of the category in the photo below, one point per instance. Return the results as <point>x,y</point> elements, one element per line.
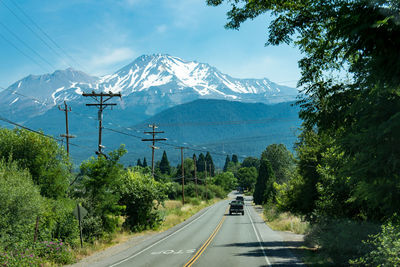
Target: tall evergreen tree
<point>144,162</point>
<point>235,158</point>
<point>139,163</point>
<point>210,163</point>
<point>165,168</point>
<point>200,163</point>
<point>227,160</point>
<point>263,191</point>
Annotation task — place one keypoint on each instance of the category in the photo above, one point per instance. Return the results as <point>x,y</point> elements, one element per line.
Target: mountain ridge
<point>150,82</point>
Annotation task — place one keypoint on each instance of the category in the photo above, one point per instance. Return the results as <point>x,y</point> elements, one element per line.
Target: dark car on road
<point>236,207</point>
<point>240,198</point>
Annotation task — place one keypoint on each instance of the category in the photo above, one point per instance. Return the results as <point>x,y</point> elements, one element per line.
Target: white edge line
<point>258,238</point>
<point>159,241</point>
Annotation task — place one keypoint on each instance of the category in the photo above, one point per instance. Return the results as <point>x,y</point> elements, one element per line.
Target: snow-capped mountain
<point>154,82</point>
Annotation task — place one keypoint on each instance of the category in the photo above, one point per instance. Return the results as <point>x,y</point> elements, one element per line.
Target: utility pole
<point>101,98</point>
<point>205,172</point>
<point>183,175</point>
<point>195,175</point>
<point>153,140</point>
<point>66,135</point>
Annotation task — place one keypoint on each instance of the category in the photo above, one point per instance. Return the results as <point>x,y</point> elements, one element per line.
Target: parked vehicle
<point>236,207</point>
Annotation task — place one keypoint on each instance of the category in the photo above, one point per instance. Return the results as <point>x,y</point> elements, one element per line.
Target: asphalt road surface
<point>210,238</point>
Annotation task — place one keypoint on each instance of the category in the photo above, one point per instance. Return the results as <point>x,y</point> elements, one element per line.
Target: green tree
<point>359,110</point>
<point>165,168</point>
<point>201,163</point>
<point>139,163</point>
<point>102,178</point>
<point>247,177</point>
<point>282,161</point>
<point>227,160</point>
<point>141,195</point>
<point>210,164</point>
<point>235,159</point>
<point>264,191</point>
<point>144,164</point>
<point>226,180</point>
<point>20,205</point>
<point>46,161</point>
<point>251,162</point>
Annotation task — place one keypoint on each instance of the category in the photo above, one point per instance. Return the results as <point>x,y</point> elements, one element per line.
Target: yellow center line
<point>205,245</point>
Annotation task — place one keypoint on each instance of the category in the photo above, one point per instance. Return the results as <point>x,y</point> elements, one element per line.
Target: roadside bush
<point>141,195</point>
<point>58,222</point>
<point>173,190</point>
<point>20,204</point>
<point>341,239</point>
<point>45,160</point>
<point>92,228</point>
<point>385,247</point>
<point>218,191</point>
<point>17,258</point>
<point>100,188</point>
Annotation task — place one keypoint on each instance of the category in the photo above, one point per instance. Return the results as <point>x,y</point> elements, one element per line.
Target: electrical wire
<point>26,45</point>
<point>44,33</point>
<point>23,53</point>
<point>37,35</point>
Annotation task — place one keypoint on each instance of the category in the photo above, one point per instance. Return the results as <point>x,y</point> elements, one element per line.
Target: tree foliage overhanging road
<point>349,157</point>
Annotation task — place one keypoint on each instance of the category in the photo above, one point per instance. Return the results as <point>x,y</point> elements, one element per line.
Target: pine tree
<point>165,168</point>
<point>139,163</point>
<point>144,162</point>
<point>200,163</point>
<point>235,158</point>
<point>263,191</point>
<point>210,163</point>
<point>227,160</point>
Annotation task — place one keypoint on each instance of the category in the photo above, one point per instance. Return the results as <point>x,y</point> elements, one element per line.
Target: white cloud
<point>113,56</point>
<point>108,60</point>
<point>161,28</point>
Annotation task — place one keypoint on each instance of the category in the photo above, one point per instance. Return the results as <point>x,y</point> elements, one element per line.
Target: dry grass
<point>175,213</point>
<point>284,221</point>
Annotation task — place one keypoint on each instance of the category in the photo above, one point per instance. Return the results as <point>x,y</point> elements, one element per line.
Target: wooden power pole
<point>153,140</point>
<point>66,135</point>
<point>195,175</point>
<point>183,175</point>
<point>205,179</point>
<point>101,98</point>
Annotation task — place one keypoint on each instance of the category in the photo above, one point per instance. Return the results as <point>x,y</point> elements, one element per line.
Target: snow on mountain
<point>158,70</point>
<point>156,81</point>
<point>37,93</point>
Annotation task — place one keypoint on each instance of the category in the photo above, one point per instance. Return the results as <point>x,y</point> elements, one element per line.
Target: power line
<point>38,132</point>
<point>44,33</point>
<point>23,53</point>
<point>26,45</point>
<point>37,35</point>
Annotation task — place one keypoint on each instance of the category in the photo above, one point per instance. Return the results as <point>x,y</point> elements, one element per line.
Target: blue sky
<point>103,36</point>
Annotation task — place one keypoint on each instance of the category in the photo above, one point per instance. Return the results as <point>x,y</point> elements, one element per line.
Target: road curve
<point>210,238</point>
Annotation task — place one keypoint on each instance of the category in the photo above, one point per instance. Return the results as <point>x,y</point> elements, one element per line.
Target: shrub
<point>341,239</point>
<point>59,222</point>
<point>385,248</point>
<point>54,251</point>
<point>20,204</point>
<point>217,191</point>
<point>46,161</point>
<point>141,195</point>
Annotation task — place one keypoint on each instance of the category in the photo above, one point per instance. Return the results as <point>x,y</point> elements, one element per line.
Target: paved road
<point>210,238</point>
